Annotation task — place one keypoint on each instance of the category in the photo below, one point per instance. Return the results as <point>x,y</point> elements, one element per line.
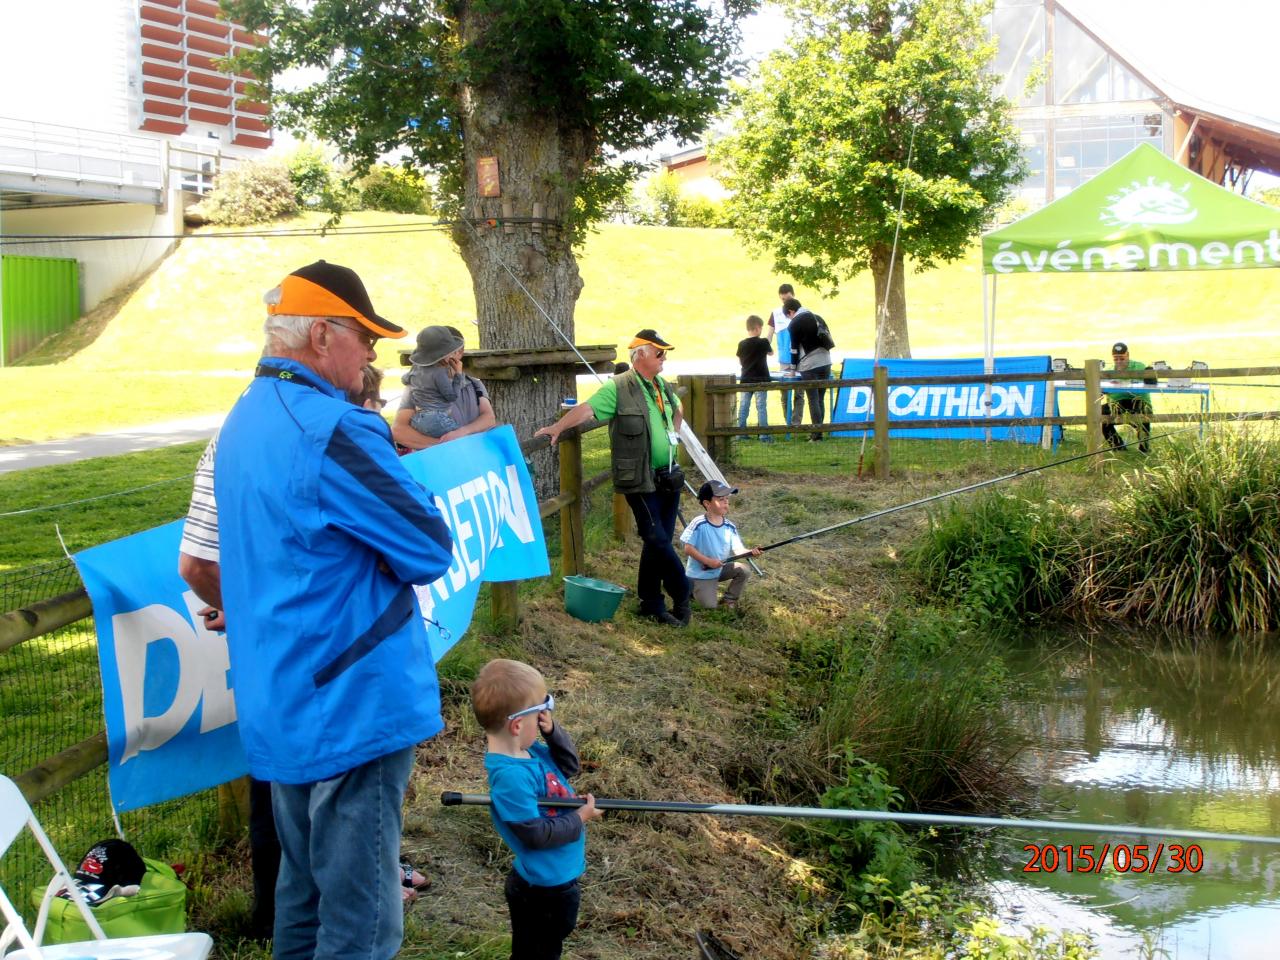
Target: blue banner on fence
<point>911,401</point>
<point>168,692</point>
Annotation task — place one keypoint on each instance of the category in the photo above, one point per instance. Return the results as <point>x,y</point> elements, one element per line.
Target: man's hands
<point>214,619</point>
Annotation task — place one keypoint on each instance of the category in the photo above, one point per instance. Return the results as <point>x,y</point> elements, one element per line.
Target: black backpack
<point>823,335</point>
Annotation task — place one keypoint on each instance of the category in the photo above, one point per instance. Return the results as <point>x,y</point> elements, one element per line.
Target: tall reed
<point>1194,539</point>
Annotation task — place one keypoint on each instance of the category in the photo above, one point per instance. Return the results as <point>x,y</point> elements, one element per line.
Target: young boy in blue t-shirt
<point>511,702</point>
<point>708,540</point>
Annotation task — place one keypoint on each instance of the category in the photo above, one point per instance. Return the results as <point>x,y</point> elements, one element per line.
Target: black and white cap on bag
<point>111,868</point>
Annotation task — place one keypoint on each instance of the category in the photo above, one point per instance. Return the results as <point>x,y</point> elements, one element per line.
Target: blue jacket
<point>323,534</point>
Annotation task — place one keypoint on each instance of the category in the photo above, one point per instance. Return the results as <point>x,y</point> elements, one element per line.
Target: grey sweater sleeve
<point>443,384</point>
<point>545,833</point>
<point>563,751</point>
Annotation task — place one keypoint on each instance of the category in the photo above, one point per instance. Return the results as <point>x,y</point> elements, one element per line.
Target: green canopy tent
<point>1144,212</point>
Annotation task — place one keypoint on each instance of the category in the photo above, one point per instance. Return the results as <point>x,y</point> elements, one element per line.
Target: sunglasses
<point>367,339</point>
<point>660,354</point>
<point>548,704</point>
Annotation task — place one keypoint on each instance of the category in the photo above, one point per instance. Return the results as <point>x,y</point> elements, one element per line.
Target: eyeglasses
<point>367,339</point>
<point>660,354</point>
<point>547,704</point>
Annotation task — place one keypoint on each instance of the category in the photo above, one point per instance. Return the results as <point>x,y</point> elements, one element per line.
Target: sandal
<point>411,879</point>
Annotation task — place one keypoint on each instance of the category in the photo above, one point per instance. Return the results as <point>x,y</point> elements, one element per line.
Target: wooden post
<point>504,605</point>
<point>697,411</point>
<point>536,226</point>
<point>1051,408</point>
<point>880,406</point>
<point>1093,409</point>
<point>233,810</point>
<point>572,552</point>
<point>622,518</point>
<point>508,211</point>
<point>719,414</point>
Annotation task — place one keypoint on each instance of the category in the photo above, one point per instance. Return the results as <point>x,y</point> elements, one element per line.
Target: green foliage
<point>918,695</point>
<point>663,192</point>
<point>867,859</point>
<point>703,212</point>
<point>1004,558</point>
<point>251,192</point>
<point>818,161</point>
<point>1194,541</point>
<point>395,190</point>
<point>313,177</point>
<point>423,76</point>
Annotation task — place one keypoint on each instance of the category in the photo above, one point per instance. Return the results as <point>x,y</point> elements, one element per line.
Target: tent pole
<point>988,346</point>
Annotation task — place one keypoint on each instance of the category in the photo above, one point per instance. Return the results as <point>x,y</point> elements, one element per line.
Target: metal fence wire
<point>51,700</point>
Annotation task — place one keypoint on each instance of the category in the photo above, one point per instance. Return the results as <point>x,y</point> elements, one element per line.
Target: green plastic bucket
<point>591,600</point>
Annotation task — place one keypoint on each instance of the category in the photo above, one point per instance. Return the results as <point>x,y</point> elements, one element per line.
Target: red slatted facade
<point>180,39</point>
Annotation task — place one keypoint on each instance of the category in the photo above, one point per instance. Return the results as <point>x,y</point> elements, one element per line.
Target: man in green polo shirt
<point>1127,402</point>
<point>644,423</point>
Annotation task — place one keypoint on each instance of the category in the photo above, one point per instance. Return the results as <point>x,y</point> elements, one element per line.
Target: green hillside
<point>184,341</point>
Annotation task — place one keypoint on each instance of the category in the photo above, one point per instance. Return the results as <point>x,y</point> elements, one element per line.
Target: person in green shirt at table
<point>1118,401</point>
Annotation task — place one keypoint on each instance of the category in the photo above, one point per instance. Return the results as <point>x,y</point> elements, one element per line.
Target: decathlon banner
<point>167,683</point>
<point>946,402</point>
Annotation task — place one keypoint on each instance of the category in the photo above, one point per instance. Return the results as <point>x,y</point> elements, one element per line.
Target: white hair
<point>636,351</point>
<point>288,330</point>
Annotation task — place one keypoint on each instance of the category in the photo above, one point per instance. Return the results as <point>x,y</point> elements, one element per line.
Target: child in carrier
<point>434,380</point>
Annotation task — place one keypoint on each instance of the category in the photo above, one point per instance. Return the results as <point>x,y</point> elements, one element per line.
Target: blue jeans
<point>338,896</point>
<point>762,414</point>
<point>432,422</point>
<point>655,515</point>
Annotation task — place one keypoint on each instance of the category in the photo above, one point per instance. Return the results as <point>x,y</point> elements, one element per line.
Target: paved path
<point>108,444</point>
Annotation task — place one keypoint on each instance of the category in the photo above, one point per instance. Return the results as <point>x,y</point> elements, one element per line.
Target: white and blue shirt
<point>711,541</point>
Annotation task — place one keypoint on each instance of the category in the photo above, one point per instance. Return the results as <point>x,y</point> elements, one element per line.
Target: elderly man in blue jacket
<point>323,534</point>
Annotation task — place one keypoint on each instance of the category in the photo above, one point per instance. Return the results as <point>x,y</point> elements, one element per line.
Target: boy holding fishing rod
<point>709,541</point>
<point>511,702</point>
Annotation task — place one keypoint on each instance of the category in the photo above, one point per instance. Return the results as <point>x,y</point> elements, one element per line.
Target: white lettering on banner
<point>202,665</point>
<point>504,508</point>
<point>1177,255</point>
<point>964,401</point>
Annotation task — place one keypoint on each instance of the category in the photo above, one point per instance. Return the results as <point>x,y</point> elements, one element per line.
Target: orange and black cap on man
<point>648,337</point>
<point>323,289</point>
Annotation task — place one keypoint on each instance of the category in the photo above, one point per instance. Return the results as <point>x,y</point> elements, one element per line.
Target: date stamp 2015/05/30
<point>1120,857</point>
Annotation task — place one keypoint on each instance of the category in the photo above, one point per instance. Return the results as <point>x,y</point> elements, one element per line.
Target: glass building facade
<point>1080,107</point>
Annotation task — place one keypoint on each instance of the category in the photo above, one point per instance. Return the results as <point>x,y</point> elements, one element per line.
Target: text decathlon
<point>939,403</point>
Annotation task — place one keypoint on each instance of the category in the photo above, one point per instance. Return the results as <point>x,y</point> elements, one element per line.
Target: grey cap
<point>714,488</point>
<point>434,344</point>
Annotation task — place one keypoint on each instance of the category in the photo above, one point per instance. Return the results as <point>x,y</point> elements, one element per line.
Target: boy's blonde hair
<point>754,323</point>
<point>503,687</point>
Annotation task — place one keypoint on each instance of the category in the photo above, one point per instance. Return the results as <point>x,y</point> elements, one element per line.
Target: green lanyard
<point>667,416</point>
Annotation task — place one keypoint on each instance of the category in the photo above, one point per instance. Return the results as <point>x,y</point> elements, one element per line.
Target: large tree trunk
<point>538,163</point>
<point>891,322</point>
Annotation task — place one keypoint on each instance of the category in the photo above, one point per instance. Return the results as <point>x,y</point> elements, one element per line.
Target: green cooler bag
<point>160,906</point>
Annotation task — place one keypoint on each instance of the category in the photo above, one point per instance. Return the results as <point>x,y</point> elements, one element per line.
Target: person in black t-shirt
<point>753,354</point>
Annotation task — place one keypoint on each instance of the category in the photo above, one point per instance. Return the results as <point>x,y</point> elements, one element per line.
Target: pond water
<point>1151,733</point>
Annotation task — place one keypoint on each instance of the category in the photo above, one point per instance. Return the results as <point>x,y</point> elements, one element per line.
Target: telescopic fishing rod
<point>959,490</point>
<point>451,798</point>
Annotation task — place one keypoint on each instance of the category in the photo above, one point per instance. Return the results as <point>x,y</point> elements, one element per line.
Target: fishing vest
<point>630,443</point>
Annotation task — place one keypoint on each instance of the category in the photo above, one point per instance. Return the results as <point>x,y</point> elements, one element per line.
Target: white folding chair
<point>15,813</point>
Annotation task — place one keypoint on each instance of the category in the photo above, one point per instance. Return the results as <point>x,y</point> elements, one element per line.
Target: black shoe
<point>666,618</point>
<point>683,613</point>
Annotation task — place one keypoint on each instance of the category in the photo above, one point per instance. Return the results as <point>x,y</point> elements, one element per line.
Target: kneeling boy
<point>511,702</point>
<point>708,540</point>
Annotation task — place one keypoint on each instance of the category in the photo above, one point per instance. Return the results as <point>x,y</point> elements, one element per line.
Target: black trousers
<point>541,917</point>
<point>264,851</point>
<point>660,567</point>
<point>1139,408</point>
<point>817,398</point>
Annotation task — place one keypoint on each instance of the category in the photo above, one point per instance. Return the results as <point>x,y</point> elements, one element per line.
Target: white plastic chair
<point>15,813</point>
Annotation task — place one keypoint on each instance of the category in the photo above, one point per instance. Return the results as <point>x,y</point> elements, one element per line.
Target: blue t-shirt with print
<point>515,787</point>
<point>710,540</point>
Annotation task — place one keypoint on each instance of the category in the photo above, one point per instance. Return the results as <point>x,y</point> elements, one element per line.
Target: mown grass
<point>183,342</point>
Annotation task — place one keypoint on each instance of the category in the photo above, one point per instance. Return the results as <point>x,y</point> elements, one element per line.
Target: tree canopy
<point>611,75</point>
<point>818,162</point>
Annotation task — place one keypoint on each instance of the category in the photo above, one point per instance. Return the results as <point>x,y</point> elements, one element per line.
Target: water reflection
<point>1151,731</point>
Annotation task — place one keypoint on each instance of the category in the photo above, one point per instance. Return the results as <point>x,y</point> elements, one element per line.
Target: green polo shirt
<point>1125,394</point>
<point>661,451</point>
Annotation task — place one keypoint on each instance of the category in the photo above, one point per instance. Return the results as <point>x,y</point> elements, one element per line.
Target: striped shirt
<point>200,531</point>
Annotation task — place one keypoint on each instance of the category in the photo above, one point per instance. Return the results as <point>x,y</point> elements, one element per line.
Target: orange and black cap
<point>650,337</point>
<point>323,289</point>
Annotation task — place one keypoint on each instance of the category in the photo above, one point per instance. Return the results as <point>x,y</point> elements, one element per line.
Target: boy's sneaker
<point>684,613</point>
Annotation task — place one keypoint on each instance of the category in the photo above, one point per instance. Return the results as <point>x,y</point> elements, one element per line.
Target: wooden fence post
<point>720,413</point>
<point>621,518</point>
<point>1093,409</point>
<point>233,809</point>
<point>697,412</point>
<point>572,551</point>
<point>504,605</point>
<point>880,405</point>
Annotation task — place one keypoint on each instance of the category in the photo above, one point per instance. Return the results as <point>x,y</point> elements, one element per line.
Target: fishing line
<point>1025,471</point>
<point>452,798</point>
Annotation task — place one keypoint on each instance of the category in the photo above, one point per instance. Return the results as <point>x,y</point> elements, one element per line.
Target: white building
<point>109,110</point>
